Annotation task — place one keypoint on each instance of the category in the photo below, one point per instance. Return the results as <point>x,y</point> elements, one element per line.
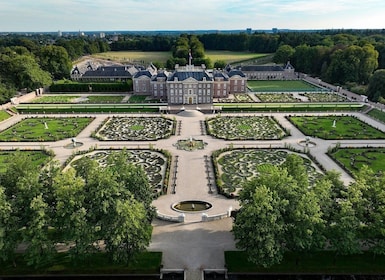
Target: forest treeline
<point>344,57</point>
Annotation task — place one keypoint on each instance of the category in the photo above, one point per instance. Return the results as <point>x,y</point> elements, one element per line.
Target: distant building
<point>269,72</point>
<point>104,73</point>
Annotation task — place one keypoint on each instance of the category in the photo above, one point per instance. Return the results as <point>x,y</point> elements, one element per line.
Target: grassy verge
<point>318,262</point>
<point>280,86</point>
<point>4,115</point>
<point>377,114</point>
<point>144,263</point>
<point>83,108</point>
<point>290,107</point>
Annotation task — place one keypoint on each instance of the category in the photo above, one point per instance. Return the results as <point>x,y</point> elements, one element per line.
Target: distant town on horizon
<point>177,32</point>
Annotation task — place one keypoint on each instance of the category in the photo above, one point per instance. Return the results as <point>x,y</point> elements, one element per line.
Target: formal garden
<point>335,127</point>
<point>45,129</point>
<point>323,97</point>
<point>353,159</point>
<point>68,99</point>
<point>245,128</point>
<point>280,86</point>
<point>135,129</point>
<point>154,163</point>
<point>276,97</point>
<point>236,166</point>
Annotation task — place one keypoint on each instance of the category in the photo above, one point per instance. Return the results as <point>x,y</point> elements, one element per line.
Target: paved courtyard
<point>195,245</point>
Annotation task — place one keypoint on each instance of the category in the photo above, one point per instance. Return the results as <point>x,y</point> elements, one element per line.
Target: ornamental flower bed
<point>245,128</point>
<point>154,163</point>
<point>136,129</point>
<point>238,165</point>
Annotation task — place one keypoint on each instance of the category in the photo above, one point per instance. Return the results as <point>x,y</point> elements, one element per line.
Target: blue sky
<point>110,15</point>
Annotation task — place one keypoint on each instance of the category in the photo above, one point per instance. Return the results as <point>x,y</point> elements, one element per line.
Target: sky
<point>149,15</point>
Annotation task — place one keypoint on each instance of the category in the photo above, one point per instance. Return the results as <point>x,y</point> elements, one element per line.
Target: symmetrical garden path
<point>194,245</point>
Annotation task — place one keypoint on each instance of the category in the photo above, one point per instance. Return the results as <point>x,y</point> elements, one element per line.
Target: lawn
<point>39,158</point>
<point>377,114</point>
<point>346,127</point>
<point>68,99</point>
<point>148,57</point>
<point>280,86</point>
<point>353,159</point>
<point>4,115</point>
<point>45,129</point>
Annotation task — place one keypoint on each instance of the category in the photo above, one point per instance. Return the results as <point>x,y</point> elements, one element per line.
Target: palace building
<point>189,84</point>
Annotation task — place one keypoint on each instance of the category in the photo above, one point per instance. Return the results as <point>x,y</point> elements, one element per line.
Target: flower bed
<point>245,128</point>
<point>236,166</point>
<point>154,163</point>
<point>136,128</point>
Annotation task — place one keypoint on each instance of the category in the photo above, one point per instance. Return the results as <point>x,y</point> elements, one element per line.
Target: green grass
<point>377,114</point>
<point>347,127</point>
<point>317,262</point>
<point>290,107</point>
<point>147,57</point>
<point>34,129</point>
<point>68,99</point>
<point>280,86</point>
<point>55,99</point>
<point>353,159</point>
<point>231,57</point>
<point>4,115</point>
<point>146,263</point>
<point>39,158</point>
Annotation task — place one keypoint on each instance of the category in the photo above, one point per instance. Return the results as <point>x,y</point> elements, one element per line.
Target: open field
<point>147,57</point>
<point>3,115</point>
<point>280,86</point>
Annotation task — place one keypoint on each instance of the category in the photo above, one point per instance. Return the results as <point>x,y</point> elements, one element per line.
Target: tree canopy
<point>281,213</point>
<point>82,206</point>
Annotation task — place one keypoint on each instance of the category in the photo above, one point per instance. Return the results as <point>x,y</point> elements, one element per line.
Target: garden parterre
<point>45,129</point>
<point>236,166</point>
<point>335,127</point>
<point>245,128</point>
<point>154,164</point>
<point>136,128</point>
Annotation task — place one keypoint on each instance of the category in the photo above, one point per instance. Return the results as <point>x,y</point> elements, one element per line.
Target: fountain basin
<point>191,206</point>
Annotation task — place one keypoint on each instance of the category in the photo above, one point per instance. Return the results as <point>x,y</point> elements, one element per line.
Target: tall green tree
<point>376,87</point>
<point>55,60</point>
<point>259,227</point>
<point>283,54</point>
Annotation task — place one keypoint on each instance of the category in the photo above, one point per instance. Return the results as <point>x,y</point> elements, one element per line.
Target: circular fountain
<point>191,206</point>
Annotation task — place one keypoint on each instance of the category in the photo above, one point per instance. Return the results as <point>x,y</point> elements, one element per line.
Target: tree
<point>128,231</point>
<point>283,54</point>
<point>71,219</point>
<point>298,224</point>
<point>259,227</point>
<point>376,87</point>
<point>55,60</point>
<point>40,250</point>
<point>23,71</point>
<point>8,240</point>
